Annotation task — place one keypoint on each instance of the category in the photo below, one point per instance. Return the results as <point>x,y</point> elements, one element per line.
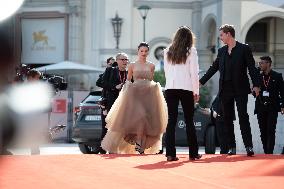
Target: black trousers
<point>110,101</point>
<point>222,135</point>
<point>104,129</point>
<point>267,121</point>
<point>173,96</point>
<point>228,111</point>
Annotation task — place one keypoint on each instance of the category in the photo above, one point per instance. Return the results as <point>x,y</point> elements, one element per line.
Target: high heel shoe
<point>138,148</point>
<point>160,152</point>
<point>194,157</point>
<point>171,158</point>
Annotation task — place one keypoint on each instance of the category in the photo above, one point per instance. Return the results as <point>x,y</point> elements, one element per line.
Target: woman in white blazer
<point>182,85</point>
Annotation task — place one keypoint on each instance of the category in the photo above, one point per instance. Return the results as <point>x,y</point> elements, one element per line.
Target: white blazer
<point>183,76</point>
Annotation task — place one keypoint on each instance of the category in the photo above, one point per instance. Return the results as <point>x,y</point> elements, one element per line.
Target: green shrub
<point>205,97</point>
<point>159,76</point>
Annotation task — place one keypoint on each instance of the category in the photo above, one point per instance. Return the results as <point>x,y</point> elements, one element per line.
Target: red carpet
<point>136,171</point>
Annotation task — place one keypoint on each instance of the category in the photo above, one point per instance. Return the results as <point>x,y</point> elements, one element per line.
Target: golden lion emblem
<point>40,37</point>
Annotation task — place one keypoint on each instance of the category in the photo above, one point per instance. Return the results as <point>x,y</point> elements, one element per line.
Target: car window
<point>91,99</point>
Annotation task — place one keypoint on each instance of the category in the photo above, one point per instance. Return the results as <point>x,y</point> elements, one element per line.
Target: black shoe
<point>250,152</point>
<point>197,156</point>
<point>224,151</point>
<point>102,151</point>
<point>161,152</point>
<point>232,151</point>
<point>171,158</point>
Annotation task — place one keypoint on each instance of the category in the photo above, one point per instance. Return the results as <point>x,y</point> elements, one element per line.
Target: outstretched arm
<point>212,70</point>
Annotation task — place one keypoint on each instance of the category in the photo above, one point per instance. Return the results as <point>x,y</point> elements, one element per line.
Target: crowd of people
<point>136,114</point>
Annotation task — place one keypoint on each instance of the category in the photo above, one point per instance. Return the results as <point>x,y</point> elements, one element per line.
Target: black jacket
<point>275,87</point>
<point>242,61</point>
<point>111,79</point>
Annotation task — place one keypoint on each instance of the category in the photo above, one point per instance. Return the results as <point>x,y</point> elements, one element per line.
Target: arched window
<point>257,37</point>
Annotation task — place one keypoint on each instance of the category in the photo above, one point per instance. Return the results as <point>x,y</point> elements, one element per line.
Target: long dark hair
<point>143,44</point>
<point>182,43</point>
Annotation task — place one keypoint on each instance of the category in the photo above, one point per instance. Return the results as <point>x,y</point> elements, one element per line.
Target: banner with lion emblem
<point>43,40</point>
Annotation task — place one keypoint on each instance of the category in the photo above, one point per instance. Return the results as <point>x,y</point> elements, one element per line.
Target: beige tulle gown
<point>139,115</point>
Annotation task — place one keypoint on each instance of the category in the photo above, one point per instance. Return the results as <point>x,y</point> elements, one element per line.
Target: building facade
<point>82,31</point>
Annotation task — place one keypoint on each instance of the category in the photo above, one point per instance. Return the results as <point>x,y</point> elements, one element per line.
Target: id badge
<point>265,93</point>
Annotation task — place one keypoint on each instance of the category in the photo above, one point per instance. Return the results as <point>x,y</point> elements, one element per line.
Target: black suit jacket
<point>110,80</point>
<point>276,93</point>
<point>242,60</point>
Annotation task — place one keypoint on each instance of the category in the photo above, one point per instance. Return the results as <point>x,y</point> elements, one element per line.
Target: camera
<point>58,82</point>
<point>21,72</point>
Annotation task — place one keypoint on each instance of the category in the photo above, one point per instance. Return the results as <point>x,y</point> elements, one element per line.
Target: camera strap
<point>122,79</point>
<point>265,82</point>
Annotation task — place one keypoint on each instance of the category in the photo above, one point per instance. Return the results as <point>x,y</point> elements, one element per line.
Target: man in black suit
<point>113,79</point>
<point>232,62</point>
<point>269,103</point>
<point>109,63</point>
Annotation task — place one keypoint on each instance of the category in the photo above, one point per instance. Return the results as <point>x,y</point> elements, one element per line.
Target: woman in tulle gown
<point>138,118</point>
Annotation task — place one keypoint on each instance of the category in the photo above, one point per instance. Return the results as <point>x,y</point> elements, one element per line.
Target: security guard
<point>269,103</point>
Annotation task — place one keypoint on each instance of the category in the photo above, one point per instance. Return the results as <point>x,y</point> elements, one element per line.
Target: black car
<point>87,127</point>
<point>204,122</point>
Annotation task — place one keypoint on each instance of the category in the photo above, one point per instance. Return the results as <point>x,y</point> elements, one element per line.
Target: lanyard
<point>122,80</point>
<point>265,82</point>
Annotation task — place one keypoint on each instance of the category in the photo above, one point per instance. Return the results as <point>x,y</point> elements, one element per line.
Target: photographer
<point>269,103</point>
<point>103,103</point>
<point>33,75</point>
<point>21,73</point>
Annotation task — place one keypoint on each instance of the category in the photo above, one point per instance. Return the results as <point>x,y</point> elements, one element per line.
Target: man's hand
<point>282,111</point>
<point>119,86</point>
<point>256,90</point>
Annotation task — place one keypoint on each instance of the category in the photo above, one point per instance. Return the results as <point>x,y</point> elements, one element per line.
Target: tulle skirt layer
<point>139,115</point>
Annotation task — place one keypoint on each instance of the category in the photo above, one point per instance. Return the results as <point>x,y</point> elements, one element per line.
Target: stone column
<point>76,39</point>
<point>196,21</point>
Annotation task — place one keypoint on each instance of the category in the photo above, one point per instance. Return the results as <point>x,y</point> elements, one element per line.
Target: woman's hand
<point>196,98</point>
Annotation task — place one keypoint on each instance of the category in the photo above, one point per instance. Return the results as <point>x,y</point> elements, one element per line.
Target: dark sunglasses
<point>123,59</point>
<point>262,62</point>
